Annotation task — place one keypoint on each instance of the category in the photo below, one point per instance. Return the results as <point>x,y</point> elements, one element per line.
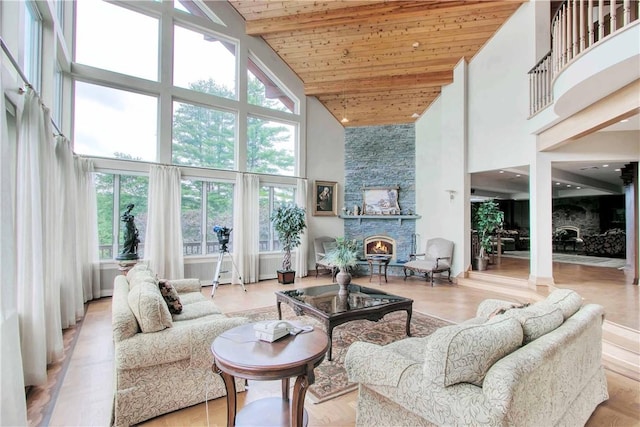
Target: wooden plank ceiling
<point>375,62</point>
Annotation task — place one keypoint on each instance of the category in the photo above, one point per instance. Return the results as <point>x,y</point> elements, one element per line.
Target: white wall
<point>441,178</point>
<point>499,95</point>
<point>479,123</point>
<point>428,164</point>
<point>325,162</point>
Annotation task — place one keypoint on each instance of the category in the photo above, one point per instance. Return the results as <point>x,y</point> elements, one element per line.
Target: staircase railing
<point>576,27</point>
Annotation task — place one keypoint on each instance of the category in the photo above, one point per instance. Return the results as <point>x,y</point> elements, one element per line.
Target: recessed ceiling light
<point>344,120</point>
<point>415,44</point>
<point>579,188</point>
<point>568,185</point>
<point>557,183</point>
<point>624,120</point>
<point>501,171</point>
<point>605,166</point>
<point>617,170</point>
<point>518,175</point>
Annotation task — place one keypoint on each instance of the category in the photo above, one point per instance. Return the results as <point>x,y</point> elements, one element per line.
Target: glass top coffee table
<point>324,304</point>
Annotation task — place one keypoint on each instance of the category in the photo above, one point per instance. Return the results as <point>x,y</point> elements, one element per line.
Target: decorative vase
<point>342,303</point>
<point>481,263</point>
<point>343,278</point>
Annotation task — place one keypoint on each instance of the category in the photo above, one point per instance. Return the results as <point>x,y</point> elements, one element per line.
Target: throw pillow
<point>536,320</point>
<point>567,300</point>
<point>140,277</point>
<point>170,296</point>
<point>465,353</point>
<point>136,269</point>
<point>149,308</point>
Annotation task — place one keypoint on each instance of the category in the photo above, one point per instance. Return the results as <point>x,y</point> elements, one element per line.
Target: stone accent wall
<point>380,156</point>
<point>583,214</point>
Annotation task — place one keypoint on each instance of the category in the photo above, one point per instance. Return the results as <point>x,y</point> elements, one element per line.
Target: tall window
<point>114,193</point>
<point>272,197</point>
<point>115,123</point>
<point>270,146</point>
<point>115,38</point>
<point>203,136</point>
<point>204,63</point>
<point>161,84</point>
<point>205,204</point>
<point>33,45</point>
<point>262,90</point>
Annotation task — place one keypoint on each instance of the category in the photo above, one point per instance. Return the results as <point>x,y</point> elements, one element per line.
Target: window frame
<point>204,217</point>
<point>33,51</point>
<point>167,94</point>
<point>272,234</point>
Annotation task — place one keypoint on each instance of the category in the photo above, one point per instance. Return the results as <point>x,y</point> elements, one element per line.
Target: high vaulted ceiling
<point>375,62</point>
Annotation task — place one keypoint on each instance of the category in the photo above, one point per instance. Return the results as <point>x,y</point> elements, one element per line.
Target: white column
<point>540,207</point>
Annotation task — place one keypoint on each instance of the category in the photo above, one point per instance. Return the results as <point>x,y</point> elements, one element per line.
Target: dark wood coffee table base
<point>373,314</point>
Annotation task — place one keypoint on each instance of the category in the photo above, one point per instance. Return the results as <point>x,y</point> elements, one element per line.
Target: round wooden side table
<point>382,262</point>
<point>238,353</point>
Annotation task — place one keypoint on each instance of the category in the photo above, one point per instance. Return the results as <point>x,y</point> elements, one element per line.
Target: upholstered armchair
<point>322,246</point>
<point>436,259</point>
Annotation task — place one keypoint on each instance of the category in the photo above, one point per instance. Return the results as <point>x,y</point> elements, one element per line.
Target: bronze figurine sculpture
<point>131,240</point>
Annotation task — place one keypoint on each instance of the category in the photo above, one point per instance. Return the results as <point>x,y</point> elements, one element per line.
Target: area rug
<point>331,377</point>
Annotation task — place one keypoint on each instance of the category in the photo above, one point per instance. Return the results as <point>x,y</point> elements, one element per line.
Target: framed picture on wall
<point>325,194</point>
<point>380,201</point>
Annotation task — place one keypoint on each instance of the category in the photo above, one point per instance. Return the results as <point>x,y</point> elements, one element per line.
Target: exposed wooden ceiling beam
<point>371,15</point>
<point>384,83</point>
<point>381,61</point>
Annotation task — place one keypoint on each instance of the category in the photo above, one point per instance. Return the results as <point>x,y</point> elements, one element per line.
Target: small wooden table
<point>238,353</point>
<point>381,261</point>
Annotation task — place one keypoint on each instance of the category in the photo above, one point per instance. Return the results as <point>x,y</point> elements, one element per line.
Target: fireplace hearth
<point>380,245</point>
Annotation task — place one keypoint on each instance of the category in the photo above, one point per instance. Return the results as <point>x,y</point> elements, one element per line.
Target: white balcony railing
<point>576,27</point>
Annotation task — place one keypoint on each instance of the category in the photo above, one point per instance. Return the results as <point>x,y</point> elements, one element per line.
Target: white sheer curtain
<point>13,405</point>
<point>163,246</point>
<point>65,228</point>
<point>301,257</point>
<point>87,225</point>
<point>38,294</point>
<point>246,228</point>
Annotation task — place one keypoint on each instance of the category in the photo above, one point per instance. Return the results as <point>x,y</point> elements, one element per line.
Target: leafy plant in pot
<point>344,257</point>
<point>488,217</point>
<point>289,223</point>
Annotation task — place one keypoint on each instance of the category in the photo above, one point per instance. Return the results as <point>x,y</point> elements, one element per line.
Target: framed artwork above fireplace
<point>380,201</point>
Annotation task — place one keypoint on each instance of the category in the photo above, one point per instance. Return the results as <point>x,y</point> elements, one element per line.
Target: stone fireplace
<point>380,245</point>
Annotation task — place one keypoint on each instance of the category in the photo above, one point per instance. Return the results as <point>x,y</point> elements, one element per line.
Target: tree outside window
<point>198,219</point>
<point>272,197</point>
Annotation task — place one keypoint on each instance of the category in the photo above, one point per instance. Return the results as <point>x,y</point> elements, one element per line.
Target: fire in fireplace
<point>380,245</point>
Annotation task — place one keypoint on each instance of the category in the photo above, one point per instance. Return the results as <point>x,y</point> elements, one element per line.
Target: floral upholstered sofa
<point>529,366</point>
<point>163,359</point>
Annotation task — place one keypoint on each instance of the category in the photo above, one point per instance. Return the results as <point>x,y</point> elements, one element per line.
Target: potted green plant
<point>488,217</point>
<point>289,222</point>
<point>343,256</point>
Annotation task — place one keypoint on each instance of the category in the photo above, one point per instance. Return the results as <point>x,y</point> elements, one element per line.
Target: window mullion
<point>165,108</point>
<point>116,215</point>
<point>204,215</point>
<point>271,230</point>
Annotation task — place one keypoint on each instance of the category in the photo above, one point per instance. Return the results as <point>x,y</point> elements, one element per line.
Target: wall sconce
<point>451,193</point>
